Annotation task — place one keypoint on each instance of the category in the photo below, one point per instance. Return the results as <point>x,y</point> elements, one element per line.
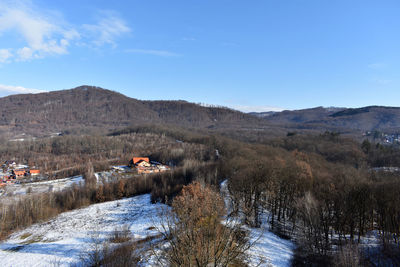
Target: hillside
<point>339,119</point>
<point>88,109</point>
<point>99,109</point>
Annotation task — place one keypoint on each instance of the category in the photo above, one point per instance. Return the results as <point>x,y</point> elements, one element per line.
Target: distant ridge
<point>355,111</point>
<point>340,119</point>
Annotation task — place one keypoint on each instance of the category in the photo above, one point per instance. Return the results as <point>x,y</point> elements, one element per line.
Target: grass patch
<point>34,239</point>
<point>25,236</point>
<point>121,234</point>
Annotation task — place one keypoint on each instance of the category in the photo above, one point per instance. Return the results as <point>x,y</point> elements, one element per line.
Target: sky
<point>257,55</point>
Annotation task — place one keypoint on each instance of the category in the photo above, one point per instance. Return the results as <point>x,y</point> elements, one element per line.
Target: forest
<point>320,191</point>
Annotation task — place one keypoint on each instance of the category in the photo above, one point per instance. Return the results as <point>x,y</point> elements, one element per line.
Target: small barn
<point>139,161</point>
<point>34,172</point>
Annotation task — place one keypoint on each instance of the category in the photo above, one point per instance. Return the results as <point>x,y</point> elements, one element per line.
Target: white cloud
<point>9,89</point>
<point>46,33</point>
<point>161,53</point>
<point>244,108</point>
<point>25,53</point>
<point>5,55</point>
<point>109,27</point>
<point>42,33</point>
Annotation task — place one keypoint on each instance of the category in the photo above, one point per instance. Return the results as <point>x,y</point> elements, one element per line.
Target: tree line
<point>320,192</point>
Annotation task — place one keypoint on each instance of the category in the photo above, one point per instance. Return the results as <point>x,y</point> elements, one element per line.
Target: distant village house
<point>34,172</point>
<point>144,165</point>
<point>19,173</point>
<point>135,161</point>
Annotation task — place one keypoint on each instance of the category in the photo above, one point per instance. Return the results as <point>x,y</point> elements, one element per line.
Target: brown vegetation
<point>38,208</point>
<point>65,156</point>
<point>195,234</point>
<point>319,191</point>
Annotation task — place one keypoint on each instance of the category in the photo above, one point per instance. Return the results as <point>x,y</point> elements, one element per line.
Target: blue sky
<point>250,55</point>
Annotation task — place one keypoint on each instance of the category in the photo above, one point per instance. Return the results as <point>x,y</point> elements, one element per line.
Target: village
<point>385,138</point>
<point>13,173</point>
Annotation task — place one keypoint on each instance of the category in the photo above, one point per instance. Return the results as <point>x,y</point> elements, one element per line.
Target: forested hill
<point>340,119</point>
<point>88,106</point>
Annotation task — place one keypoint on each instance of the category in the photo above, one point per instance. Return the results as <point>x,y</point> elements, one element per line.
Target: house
<point>34,172</point>
<point>143,164</point>
<point>147,169</point>
<point>19,173</point>
<point>136,160</point>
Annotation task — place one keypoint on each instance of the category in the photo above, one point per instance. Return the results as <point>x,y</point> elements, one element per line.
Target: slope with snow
<point>268,249</point>
<point>65,239</point>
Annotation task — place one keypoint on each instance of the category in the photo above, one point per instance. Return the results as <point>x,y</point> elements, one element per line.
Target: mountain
<point>89,109</point>
<point>339,119</point>
<point>302,116</point>
<point>96,108</point>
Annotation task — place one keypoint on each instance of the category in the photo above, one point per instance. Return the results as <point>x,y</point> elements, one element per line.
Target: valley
<point>281,184</point>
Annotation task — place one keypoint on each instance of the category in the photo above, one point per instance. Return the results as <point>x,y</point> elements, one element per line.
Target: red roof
<point>139,159</point>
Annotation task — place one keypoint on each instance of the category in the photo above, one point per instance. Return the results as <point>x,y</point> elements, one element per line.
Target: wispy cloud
<point>42,32</point>
<point>5,55</point>
<point>10,89</point>
<point>382,81</point>
<point>248,108</point>
<point>377,66</point>
<point>46,33</point>
<point>108,28</point>
<point>160,53</point>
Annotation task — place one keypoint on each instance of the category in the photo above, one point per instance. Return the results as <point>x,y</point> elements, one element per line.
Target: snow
<point>268,249</point>
<point>22,166</point>
<point>40,187</point>
<point>64,239</point>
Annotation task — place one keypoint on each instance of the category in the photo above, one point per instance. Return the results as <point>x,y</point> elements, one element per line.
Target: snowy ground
<point>42,187</point>
<point>268,249</point>
<point>63,240</point>
<point>14,192</point>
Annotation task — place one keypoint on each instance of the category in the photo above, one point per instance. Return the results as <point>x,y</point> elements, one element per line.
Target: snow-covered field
<point>63,240</point>
<point>42,187</point>
<point>60,184</point>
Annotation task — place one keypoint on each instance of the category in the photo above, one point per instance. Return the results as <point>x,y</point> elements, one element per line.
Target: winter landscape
<point>199,133</point>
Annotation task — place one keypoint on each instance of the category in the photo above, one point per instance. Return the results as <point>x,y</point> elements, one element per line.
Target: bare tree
<point>197,235</point>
